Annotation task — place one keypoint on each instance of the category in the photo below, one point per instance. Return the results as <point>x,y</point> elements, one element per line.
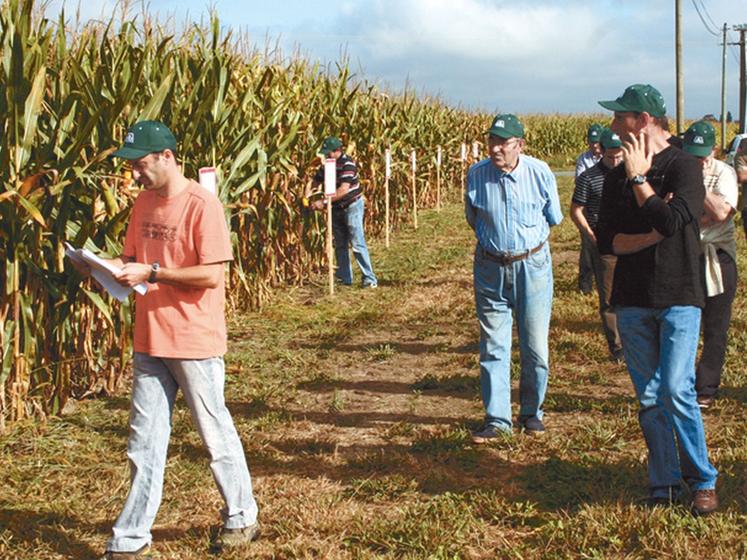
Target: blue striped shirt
<point>512,212</point>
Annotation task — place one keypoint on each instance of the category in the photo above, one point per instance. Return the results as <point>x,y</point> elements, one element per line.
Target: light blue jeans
<point>660,347</point>
<point>154,387</point>
<point>347,228</point>
<point>524,287</point>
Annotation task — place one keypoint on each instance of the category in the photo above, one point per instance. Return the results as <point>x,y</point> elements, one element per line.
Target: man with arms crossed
<point>177,241</point>
<point>718,241</point>
<point>649,218</point>
<point>587,197</point>
<point>511,201</point>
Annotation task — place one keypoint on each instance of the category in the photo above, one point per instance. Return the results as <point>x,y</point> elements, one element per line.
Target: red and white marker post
<point>438,178</point>
<point>463,160</point>
<point>209,179</point>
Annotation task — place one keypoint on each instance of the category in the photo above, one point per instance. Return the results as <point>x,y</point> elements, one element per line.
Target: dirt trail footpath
<point>355,414</point>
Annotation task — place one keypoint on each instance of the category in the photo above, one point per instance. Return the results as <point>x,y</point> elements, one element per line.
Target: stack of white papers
<point>103,272</point>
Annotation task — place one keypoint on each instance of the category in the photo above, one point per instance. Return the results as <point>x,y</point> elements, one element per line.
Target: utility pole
<point>723,93</point>
<point>678,59</point>
<point>742,76</point>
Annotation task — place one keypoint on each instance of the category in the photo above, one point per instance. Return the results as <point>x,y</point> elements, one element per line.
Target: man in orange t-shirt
<point>178,242</point>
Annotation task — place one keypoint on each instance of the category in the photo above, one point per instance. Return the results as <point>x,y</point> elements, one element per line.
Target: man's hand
<point>133,274</point>
<point>637,155</point>
<point>318,205</point>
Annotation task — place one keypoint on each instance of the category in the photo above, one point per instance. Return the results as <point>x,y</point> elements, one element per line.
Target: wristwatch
<point>153,270</point>
<point>638,179</point>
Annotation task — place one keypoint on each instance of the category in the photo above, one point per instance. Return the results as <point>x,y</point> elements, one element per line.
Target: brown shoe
<point>705,401</point>
<point>704,502</point>
<point>140,554</point>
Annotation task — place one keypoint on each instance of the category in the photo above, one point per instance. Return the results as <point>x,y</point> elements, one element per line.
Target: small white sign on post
<point>330,177</point>
<point>464,152</point>
<point>475,150</point>
<point>208,179</point>
<point>388,162</point>
<point>438,156</point>
<point>413,157</point>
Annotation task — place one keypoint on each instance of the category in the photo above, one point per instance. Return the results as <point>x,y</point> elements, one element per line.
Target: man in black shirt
<point>649,219</point>
<point>347,215</point>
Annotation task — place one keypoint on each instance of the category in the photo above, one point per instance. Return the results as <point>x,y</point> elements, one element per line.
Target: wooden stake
<point>414,191</point>
<point>387,174</point>
<point>330,252</point>
<point>438,179</point>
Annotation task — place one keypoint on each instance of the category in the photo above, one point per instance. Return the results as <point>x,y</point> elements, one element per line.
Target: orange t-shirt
<point>184,230</point>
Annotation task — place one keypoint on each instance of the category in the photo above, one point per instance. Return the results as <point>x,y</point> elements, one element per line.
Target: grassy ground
<point>355,413</point>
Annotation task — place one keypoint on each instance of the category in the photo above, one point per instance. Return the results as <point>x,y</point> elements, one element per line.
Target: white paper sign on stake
<point>464,151</point>
<point>330,176</point>
<point>438,156</point>
<point>208,179</point>
<point>475,150</point>
<point>413,157</point>
<point>388,161</point>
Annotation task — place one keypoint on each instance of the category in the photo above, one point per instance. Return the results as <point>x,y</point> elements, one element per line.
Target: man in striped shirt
<point>511,201</point>
<point>347,215</point>
<point>585,161</point>
<point>587,197</point>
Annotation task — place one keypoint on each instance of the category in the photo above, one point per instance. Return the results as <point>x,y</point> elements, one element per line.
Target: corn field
<point>68,96</point>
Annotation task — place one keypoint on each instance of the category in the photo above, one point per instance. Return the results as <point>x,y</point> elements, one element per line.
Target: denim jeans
<point>347,228</point>
<point>154,387</point>
<point>524,287</point>
<point>659,347</point>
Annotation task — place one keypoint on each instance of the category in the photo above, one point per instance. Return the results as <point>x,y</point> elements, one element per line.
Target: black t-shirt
<point>670,272</point>
<point>347,172</point>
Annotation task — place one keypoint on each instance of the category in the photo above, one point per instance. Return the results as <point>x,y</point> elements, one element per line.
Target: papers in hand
<point>103,272</point>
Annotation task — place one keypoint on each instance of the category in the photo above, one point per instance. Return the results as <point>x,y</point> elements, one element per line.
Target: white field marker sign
<point>414,190</point>
<point>438,156</point>
<point>330,176</point>
<point>388,163</point>
<point>438,178</point>
<point>208,179</point>
<point>475,150</point>
<point>464,152</point>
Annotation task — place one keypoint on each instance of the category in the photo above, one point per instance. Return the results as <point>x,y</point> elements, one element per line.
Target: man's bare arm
<point>628,243</point>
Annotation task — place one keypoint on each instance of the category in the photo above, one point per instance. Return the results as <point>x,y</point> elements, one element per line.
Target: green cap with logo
<point>594,133</point>
<point>699,139</point>
<point>609,140</point>
<point>330,144</point>
<point>146,137</point>
<point>638,98</point>
<point>506,126</point>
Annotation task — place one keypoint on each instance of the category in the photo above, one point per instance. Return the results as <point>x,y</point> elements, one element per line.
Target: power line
<point>705,23</point>
<point>705,11</point>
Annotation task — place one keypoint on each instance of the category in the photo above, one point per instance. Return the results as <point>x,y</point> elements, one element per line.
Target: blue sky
<point>493,55</point>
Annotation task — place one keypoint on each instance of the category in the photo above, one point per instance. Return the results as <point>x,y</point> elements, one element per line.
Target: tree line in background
<point>66,100</point>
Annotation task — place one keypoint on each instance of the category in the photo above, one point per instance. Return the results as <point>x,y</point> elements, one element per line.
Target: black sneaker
<point>704,401</point>
<point>488,433</point>
<point>533,426</point>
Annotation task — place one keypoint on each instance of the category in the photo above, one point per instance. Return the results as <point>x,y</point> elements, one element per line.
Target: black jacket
<point>670,272</point>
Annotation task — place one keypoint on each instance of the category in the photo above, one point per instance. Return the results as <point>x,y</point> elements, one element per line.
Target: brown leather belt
<point>505,259</point>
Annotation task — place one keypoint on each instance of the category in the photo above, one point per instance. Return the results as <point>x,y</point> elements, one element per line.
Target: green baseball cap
<point>146,137</point>
<point>700,139</point>
<point>638,98</point>
<point>594,133</point>
<point>609,140</point>
<point>506,126</point>
<point>330,144</point>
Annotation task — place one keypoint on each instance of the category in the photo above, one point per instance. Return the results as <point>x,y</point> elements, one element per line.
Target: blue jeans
<point>347,228</point>
<point>154,387</point>
<point>525,287</point>
<point>659,347</point>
